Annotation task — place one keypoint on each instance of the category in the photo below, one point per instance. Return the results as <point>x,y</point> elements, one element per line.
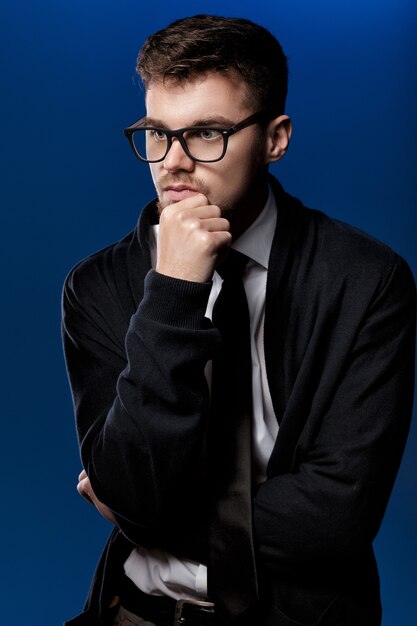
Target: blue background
<point>70,185</point>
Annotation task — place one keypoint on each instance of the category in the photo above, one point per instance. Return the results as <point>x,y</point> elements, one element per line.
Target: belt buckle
<point>179,606</point>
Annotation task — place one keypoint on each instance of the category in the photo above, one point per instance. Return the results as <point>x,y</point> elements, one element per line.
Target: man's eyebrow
<point>217,120</point>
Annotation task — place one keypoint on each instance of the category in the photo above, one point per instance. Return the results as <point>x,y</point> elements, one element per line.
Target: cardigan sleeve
<point>330,504</point>
<point>140,406</point>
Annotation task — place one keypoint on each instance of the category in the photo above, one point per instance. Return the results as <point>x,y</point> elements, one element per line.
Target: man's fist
<point>192,235</point>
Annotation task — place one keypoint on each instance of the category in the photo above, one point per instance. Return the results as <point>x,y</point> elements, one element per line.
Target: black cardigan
<point>339,350</point>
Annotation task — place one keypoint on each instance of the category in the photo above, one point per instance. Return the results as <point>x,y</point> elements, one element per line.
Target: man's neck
<point>242,217</point>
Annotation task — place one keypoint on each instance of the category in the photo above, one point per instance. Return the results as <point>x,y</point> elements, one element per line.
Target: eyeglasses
<point>205,144</point>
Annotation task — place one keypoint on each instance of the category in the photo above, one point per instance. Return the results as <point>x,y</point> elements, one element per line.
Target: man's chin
<point>227,211</point>
<point>160,207</point>
<point>162,204</point>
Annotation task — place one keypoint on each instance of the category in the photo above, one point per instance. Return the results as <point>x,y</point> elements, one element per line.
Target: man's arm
<point>141,408</point>
<point>331,502</point>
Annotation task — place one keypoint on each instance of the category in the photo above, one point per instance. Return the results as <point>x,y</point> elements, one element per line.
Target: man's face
<point>217,100</point>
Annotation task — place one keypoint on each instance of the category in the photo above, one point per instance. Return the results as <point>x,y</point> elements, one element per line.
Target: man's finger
<point>84,489</point>
<point>216,224</point>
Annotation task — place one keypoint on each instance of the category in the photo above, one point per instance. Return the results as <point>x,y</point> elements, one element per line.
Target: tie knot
<point>233,265</point>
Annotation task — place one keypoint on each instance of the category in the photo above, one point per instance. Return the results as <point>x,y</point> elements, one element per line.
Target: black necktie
<point>232,581</point>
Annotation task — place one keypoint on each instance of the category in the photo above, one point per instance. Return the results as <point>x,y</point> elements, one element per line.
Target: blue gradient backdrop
<point>70,185</point>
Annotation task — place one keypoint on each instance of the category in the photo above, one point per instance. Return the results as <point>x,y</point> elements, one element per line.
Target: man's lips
<point>179,192</point>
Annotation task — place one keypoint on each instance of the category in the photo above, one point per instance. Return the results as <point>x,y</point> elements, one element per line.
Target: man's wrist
<point>175,301</point>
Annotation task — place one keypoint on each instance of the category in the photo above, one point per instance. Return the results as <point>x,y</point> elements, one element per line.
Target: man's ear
<point>278,135</point>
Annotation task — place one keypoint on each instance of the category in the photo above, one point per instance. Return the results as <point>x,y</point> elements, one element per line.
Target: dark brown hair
<point>210,43</point>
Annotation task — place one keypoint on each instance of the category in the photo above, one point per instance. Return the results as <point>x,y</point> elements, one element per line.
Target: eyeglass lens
<point>205,144</point>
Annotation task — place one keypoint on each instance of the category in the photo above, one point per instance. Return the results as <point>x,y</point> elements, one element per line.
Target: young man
<point>246,482</point>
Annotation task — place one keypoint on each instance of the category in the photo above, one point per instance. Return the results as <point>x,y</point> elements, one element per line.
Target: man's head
<point>206,43</point>
<point>213,72</point>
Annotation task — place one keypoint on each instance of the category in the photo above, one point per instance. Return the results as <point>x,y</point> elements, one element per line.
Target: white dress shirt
<point>160,573</point>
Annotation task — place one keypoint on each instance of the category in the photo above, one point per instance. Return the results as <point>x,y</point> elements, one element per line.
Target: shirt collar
<point>256,241</point>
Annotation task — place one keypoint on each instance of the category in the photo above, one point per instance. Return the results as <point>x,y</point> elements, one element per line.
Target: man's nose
<point>177,159</point>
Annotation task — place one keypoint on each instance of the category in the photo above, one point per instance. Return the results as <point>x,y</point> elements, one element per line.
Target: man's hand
<point>85,490</point>
<point>192,235</point>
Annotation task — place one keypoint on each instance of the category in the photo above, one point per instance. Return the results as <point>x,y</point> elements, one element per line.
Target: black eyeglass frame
<point>255,118</point>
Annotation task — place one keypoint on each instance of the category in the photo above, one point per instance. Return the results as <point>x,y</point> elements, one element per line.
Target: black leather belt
<point>165,611</point>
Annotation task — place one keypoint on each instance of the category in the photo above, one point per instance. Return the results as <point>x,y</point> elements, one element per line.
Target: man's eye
<point>210,134</point>
<point>157,135</point>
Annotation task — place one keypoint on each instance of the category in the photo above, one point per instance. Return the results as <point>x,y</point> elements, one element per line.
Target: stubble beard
<point>229,210</point>
<point>167,180</point>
